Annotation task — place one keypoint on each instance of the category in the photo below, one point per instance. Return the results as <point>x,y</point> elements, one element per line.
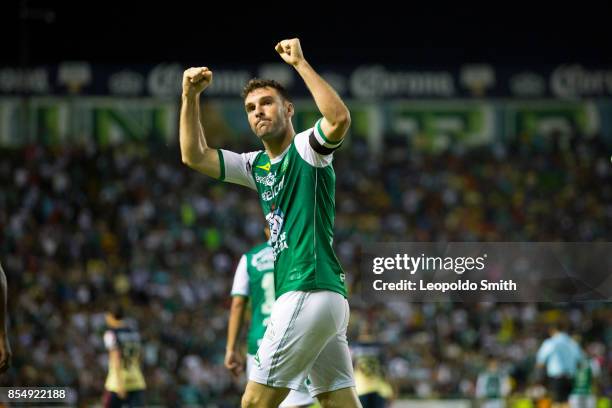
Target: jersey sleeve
<point>480,385</point>
<point>506,386</point>
<point>240,287</point>
<point>543,352</point>
<point>110,340</point>
<point>236,168</point>
<point>314,147</point>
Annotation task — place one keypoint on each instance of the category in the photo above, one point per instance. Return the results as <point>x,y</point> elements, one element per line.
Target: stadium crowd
<point>82,227</point>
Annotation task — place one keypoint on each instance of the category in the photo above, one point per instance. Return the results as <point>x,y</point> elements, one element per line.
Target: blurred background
<point>469,124</point>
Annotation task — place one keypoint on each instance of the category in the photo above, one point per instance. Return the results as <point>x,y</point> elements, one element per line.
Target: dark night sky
<point>191,32</point>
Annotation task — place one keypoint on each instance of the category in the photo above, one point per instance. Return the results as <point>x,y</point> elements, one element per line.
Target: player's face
<point>267,112</point>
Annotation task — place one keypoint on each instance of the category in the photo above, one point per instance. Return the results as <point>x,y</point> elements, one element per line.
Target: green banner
<point>432,127</point>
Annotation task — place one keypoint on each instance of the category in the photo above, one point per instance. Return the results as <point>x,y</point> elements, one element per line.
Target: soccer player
<point>373,388</point>
<point>294,178</point>
<point>254,280</point>
<point>125,383</point>
<point>5,346</point>
<point>493,385</point>
<point>582,392</point>
<point>560,354</point>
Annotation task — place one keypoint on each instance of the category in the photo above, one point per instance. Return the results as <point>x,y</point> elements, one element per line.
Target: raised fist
<point>290,51</point>
<point>195,80</point>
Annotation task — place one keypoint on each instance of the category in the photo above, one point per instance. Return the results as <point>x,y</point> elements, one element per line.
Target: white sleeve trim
<point>323,141</point>
<point>241,279</point>
<point>110,340</point>
<point>237,168</point>
<point>307,153</point>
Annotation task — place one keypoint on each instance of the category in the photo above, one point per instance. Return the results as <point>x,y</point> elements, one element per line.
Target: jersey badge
<point>265,167</point>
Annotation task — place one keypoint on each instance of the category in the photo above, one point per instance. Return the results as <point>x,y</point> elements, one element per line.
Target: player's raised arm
<point>194,150</point>
<point>336,116</point>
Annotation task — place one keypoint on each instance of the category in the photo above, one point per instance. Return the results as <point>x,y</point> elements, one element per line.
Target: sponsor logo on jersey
<point>267,180</point>
<point>280,245</point>
<point>278,240</point>
<point>265,167</point>
<point>284,167</point>
<point>263,260</point>
<point>270,194</point>
<point>275,219</point>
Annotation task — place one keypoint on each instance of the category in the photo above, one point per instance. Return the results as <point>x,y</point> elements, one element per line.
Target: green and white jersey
<point>583,380</point>
<point>254,278</point>
<point>297,194</point>
<point>492,385</point>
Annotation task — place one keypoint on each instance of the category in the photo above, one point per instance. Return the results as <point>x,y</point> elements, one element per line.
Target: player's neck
<point>277,146</point>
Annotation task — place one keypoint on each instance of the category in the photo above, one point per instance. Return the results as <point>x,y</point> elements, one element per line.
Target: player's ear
<point>289,108</point>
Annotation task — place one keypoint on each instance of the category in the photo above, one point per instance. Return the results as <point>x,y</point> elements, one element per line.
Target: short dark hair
<point>117,311</point>
<point>257,83</point>
<point>559,325</point>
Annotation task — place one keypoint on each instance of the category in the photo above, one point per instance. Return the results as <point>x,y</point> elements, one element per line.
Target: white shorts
<point>306,341</point>
<point>493,403</point>
<point>294,398</point>
<point>582,401</point>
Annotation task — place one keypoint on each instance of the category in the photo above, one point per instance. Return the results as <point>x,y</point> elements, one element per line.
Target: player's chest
<point>272,180</point>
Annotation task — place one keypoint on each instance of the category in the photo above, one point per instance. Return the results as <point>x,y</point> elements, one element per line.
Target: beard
<point>270,131</point>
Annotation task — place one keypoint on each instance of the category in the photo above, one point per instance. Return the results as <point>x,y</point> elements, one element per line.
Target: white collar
<point>278,158</point>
